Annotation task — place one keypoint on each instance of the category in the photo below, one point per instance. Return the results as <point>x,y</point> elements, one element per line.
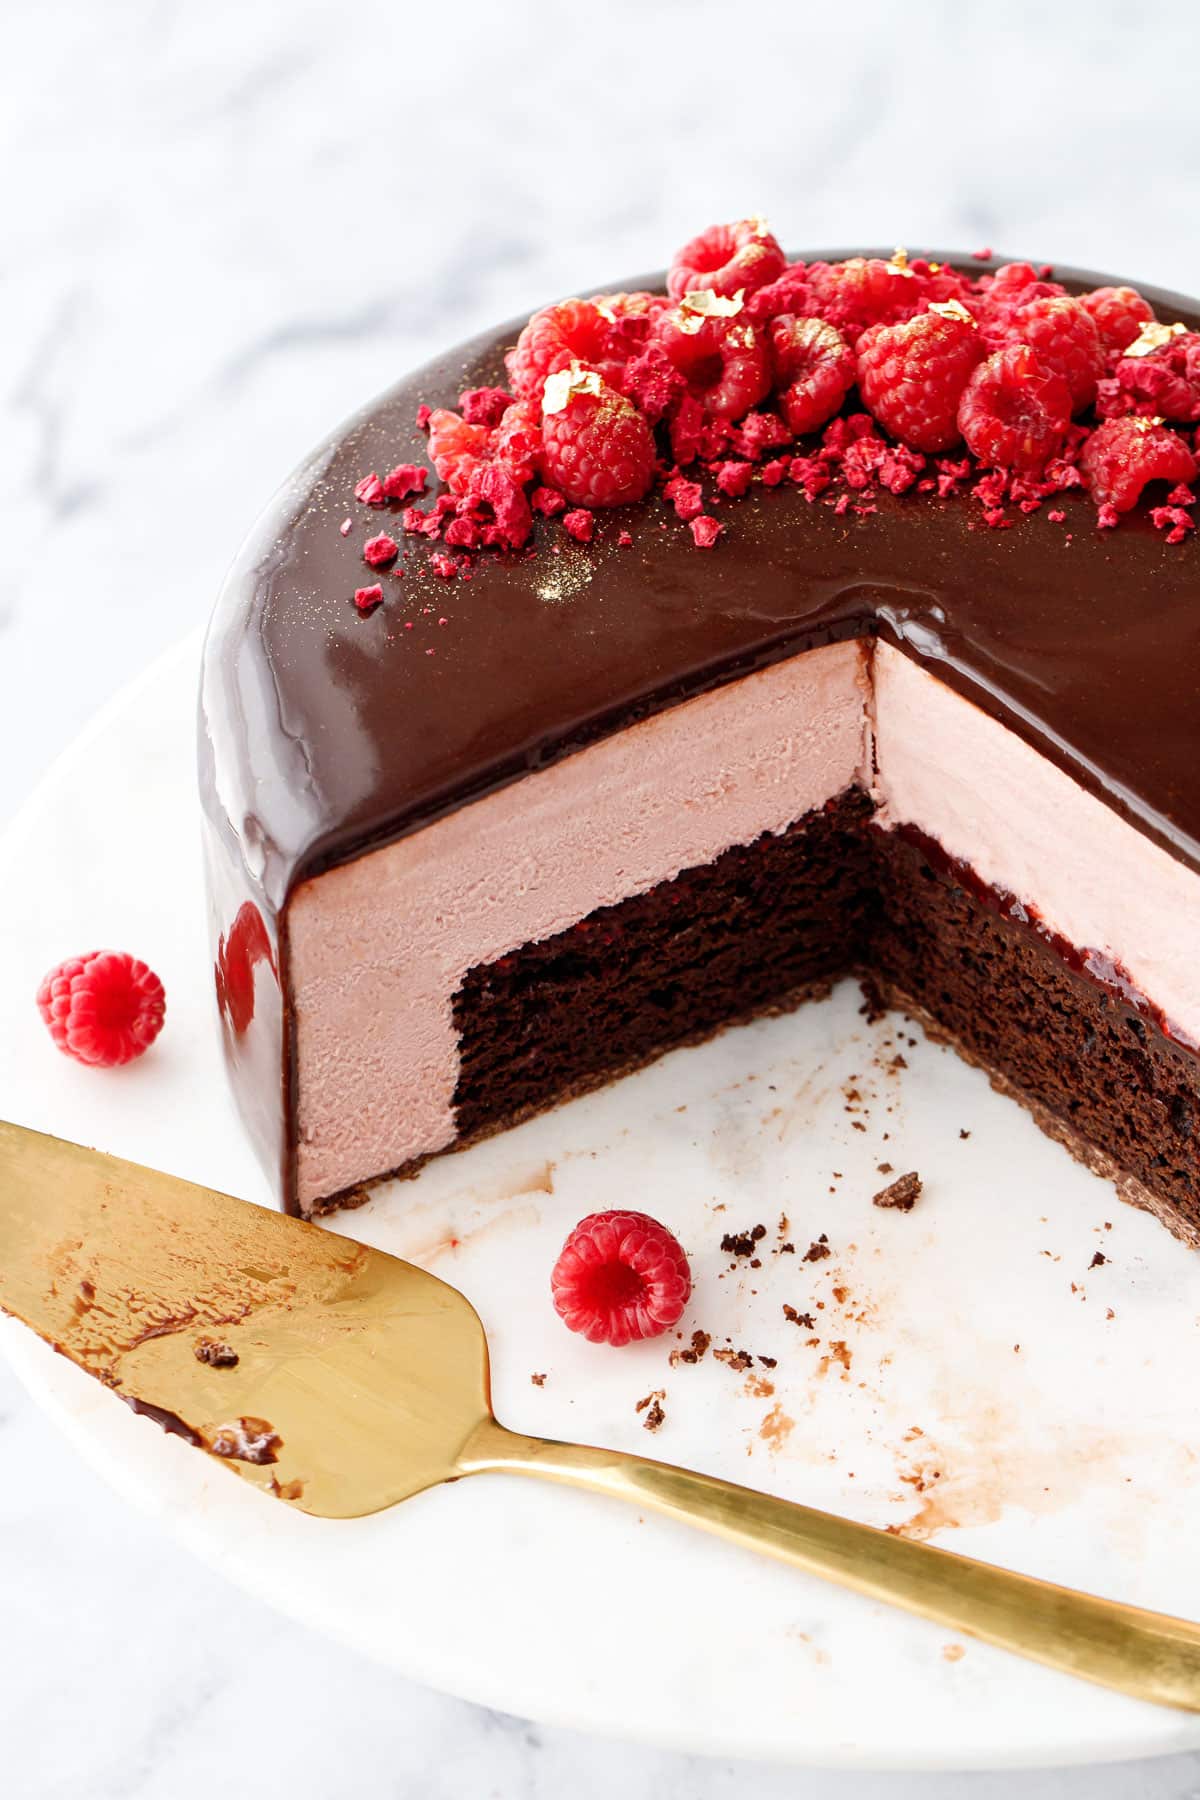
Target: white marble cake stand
<point>976,1378</point>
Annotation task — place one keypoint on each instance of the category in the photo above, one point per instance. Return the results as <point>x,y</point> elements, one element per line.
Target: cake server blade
<point>341,1381</point>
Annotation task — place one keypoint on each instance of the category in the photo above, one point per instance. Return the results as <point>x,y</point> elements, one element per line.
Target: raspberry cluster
<point>840,378</point>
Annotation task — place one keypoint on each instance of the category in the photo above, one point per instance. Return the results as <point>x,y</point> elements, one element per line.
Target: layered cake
<point>647,665</point>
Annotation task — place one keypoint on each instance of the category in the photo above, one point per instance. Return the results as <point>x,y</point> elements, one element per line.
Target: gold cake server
<point>341,1381</point>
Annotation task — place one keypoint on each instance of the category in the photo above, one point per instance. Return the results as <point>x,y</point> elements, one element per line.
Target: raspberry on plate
<point>912,375</point>
<point>722,356</point>
<point>597,449</point>
<point>1015,412</point>
<point>573,331</point>
<point>814,366</point>
<point>619,1277</point>
<point>104,1008</point>
<point>1065,337</point>
<point>1119,314</point>
<point>727,259</point>
<point>1122,455</point>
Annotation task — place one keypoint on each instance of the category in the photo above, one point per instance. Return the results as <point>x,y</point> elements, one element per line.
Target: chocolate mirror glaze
<point>327,733</point>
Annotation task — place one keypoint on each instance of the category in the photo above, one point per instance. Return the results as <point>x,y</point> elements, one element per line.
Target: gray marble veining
<point>224,226</point>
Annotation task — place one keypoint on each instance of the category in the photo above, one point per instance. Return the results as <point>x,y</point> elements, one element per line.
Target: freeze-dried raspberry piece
<point>687,497</point>
<point>380,552</point>
<point>1118,313</point>
<point>1159,374</point>
<point>727,259</point>
<point>912,375</point>
<point>651,380</point>
<point>483,405</point>
<point>705,531</point>
<point>517,440</point>
<point>1067,342</point>
<point>455,448</point>
<point>405,479</point>
<point>442,565</point>
<point>758,433</point>
<point>579,525</point>
<point>573,331</point>
<point>369,491</point>
<point>368,598</point>
<point>547,500</point>
<point>1122,455</point>
<point>1014,412</point>
<point>814,368</point>
<point>493,487</point>
<point>722,356</point>
<point>733,478</point>
<point>597,449</point>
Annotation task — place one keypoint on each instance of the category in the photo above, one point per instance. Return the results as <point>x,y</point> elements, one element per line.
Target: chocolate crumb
<point>769,1362</point>
<point>787,1249</point>
<point>1098,1260</point>
<point>538,1380</point>
<point>217,1356</point>
<point>700,1342</point>
<point>652,1406</point>
<point>819,1250</point>
<point>885,1168</point>
<point>901,1194</point>
<point>741,1243</point>
<point>738,1360</point>
<point>804,1320</point>
<point>964,1134</point>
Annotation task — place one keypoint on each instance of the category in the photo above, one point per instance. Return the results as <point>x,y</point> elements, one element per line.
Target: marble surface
<point>228,225</point>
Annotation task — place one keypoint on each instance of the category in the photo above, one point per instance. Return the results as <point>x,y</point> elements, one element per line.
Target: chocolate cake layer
<point>829,897</point>
<point>743,934</point>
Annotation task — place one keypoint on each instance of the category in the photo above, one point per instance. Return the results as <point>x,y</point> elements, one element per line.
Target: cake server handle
<point>1149,1655</point>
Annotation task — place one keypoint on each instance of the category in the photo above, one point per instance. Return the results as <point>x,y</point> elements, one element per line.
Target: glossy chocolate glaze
<point>324,734</point>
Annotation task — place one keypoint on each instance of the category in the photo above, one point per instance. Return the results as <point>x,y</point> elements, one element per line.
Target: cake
<point>494,815</point>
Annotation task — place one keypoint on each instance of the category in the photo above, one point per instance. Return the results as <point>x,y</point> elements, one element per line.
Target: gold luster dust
<point>1153,336</point>
<point>559,387</point>
<point>703,304</point>
<point>566,576</point>
<point>952,309</point>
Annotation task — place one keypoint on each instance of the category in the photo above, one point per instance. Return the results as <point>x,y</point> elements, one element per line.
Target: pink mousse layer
<point>380,947</point>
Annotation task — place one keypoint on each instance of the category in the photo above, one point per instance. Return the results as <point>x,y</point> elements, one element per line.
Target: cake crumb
<point>953,1653</point>
<point>803,1319</point>
<point>695,1353</point>
<point>538,1380</point>
<point>963,1133</point>
<point>652,1405</point>
<point>743,1243</point>
<point>217,1356</point>
<point>885,1168</point>
<point>818,1250</point>
<point>874,1007</point>
<point>738,1360</point>
<point>902,1194</point>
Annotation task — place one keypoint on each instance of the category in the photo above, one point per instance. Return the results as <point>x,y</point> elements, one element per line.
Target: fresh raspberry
<point>814,366</point>
<point>405,479</point>
<point>517,440</point>
<point>597,449</point>
<point>1015,412</point>
<point>1122,455</point>
<point>1000,297</point>
<point>573,331</point>
<point>483,405</point>
<point>727,259</point>
<point>792,293</point>
<point>912,375</point>
<point>1065,337</point>
<point>455,448</point>
<point>104,1008</point>
<point>380,552</point>
<point>724,360</point>
<point>619,1277</point>
<point>865,291</point>
<point>368,598</point>
<point>1163,381</point>
<point>1118,313</point>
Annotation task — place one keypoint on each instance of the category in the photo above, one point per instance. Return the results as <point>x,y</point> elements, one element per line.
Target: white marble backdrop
<point>222,226</point>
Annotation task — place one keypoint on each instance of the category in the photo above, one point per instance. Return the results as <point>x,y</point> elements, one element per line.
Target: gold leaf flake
<point>952,309</point>
<point>899,262</point>
<point>1144,422</point>
<point>759,225</point>
<point>1153,336</point>
<point>565,383</point>
<point>606,312</point>
<point>703,304</point>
